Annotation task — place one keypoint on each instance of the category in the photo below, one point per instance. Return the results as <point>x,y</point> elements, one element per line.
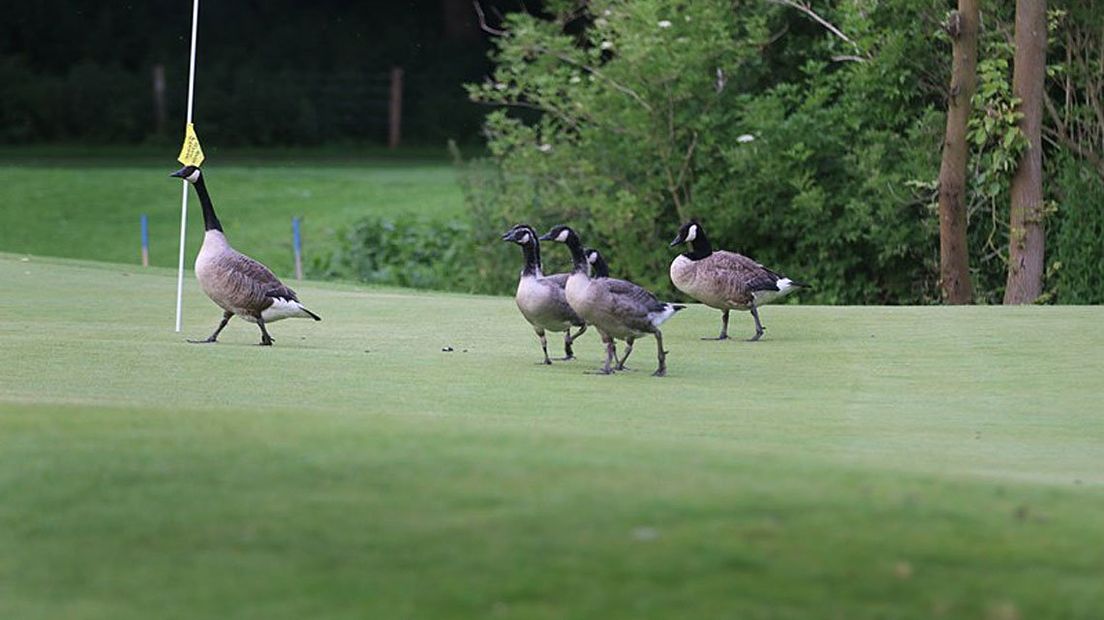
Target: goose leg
<point>628,351</point>
<point>214,337</point>
<point>544,347</point>
<point>662,370</point>
<point>758,326</point>
<point>724,327</point>
<point>266,340</point>
<point>569,353</point>
<point>611,354</point>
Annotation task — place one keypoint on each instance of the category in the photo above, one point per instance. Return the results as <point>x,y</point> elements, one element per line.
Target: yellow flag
<point>191,154</point>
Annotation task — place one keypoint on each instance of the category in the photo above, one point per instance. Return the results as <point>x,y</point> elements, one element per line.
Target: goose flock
<point>587,296</point>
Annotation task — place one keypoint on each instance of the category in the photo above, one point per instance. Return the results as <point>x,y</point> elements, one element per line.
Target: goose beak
<point>545,237</point>
<point>509,236</point>
<point>180,173</point>
<point>677,241</point>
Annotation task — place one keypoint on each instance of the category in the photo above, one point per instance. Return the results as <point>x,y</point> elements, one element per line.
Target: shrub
<point>652,112</point>
<point>1074,235</point>
<point>407,252</point>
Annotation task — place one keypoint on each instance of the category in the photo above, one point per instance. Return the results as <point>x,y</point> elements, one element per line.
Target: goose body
<point>237,283</point>
<point>541,298</point>
<point>243,286</point>
<point>618,309</point>
<point>725,280</point>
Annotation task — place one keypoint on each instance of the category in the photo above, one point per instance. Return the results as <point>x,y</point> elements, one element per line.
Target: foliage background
<point>816,154</point>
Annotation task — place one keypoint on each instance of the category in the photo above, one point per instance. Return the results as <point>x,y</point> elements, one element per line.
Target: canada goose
<point>616,308</point>
<point>541,298</point>
<point>237,283</point>
<point>725,280</point>
<point>599,269</point>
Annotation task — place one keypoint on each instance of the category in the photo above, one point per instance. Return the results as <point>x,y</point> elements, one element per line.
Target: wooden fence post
<point>159,113</point>
<point>394,117</point>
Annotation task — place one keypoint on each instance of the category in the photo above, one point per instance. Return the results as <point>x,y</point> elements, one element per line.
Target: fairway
<point>870,462</point>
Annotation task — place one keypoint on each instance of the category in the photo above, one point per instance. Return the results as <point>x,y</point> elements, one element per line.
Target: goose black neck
<point>578,256</point>
<point>601,269</point>
<point>532,257</point>
<point>700,247</point>
<point>210,220</point>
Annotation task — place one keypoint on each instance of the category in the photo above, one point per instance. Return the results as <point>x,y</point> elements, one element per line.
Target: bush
<point>653,112</point>
<point>406,252</point>
<point>1075,233</point>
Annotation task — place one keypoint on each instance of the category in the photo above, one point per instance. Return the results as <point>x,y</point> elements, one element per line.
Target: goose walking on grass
<point>600,269</point>
<point>616,308</point>
<point>540,298</point>
<point>237,283</point>
<point>725,280</point>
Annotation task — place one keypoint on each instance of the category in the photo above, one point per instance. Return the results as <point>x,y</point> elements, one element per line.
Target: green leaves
<point>624,118</point>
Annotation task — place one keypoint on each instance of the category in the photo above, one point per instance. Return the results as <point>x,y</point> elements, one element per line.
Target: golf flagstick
<point>190,155</point>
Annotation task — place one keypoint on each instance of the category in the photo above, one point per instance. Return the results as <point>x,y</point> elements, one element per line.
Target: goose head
<point>190,174</point>
<point>561,234</point>
<point>598,266</point>
<point>688,232</point>
<point>522,234</point>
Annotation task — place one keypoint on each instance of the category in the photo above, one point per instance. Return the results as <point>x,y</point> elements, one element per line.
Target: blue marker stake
<point>145,240</point>
<point>297,244</point>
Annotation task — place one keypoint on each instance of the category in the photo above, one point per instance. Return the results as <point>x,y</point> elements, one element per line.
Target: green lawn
<point>857,463</point>
<point>87,204</point>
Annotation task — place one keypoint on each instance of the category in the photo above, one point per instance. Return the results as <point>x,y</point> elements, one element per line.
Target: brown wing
<point>631,304</point>
<point>253,279</point>
<point>634,295</point>
<point>740,275</point>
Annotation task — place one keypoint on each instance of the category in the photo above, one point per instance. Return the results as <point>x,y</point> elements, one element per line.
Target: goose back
<point>242,285</point>
<point>617,307</point>
<point>726,280</point>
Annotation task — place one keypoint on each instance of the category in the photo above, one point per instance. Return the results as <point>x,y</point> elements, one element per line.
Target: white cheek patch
<point>692,233</point>
<point>194,176</point>
<point>524,238</point>
<point>562,237</point>
<point>592,258</point>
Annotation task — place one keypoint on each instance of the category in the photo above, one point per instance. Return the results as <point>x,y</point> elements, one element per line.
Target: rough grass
<point>87,204</point>
<point>857,463</point>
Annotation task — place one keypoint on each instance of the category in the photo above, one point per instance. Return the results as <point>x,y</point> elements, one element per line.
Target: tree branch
<point>807,10</point>
<point>598,74</point>
<point>1060,133</point>
<point>483,22</point>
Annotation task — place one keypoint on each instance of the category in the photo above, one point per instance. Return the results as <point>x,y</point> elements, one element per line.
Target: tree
<point>1026,233</point>
<point>954,264</point>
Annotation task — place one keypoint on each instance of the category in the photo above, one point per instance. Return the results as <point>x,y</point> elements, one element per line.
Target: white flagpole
<point>184,182</point>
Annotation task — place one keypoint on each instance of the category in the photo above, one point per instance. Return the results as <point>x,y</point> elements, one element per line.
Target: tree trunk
<point>954,258</point>
<point>1027,240</point>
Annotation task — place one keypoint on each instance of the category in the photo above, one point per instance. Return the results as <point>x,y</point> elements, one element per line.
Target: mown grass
<point>857,463</point>
<point>87,203</point>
